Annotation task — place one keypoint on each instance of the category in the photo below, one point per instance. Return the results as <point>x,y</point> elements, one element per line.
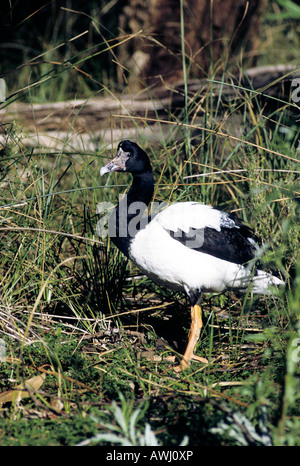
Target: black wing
<point>237,244</point>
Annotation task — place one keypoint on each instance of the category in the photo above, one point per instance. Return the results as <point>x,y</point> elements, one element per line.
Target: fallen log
<point>84,124</point>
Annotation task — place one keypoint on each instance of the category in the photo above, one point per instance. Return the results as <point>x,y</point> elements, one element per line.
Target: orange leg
<point>193,337</point>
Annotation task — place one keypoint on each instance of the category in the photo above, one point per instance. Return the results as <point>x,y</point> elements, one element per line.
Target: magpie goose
<point>188,246</point>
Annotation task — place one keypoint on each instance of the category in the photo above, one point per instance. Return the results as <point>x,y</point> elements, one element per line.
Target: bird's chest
<point>159,258</point>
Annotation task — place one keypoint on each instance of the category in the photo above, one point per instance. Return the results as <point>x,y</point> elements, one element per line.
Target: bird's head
<point>129,158</point>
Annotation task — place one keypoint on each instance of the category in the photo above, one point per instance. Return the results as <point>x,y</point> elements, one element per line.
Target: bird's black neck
<point>127,218</point>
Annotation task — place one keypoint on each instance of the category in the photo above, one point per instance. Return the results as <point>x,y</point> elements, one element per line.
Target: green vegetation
<point>98,341</point>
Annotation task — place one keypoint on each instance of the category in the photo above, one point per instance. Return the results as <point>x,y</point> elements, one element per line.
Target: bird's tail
<point>263,281</point>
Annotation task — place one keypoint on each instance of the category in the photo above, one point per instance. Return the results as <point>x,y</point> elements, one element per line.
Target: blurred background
<point>85,39</point>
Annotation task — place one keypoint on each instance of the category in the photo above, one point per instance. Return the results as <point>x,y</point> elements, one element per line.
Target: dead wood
<point>83,124</point>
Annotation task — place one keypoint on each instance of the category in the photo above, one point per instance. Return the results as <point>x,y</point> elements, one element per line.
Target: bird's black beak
<point>118,164</point>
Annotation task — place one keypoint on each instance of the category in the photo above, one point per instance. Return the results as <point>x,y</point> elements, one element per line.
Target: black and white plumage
<point>187,246</point>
